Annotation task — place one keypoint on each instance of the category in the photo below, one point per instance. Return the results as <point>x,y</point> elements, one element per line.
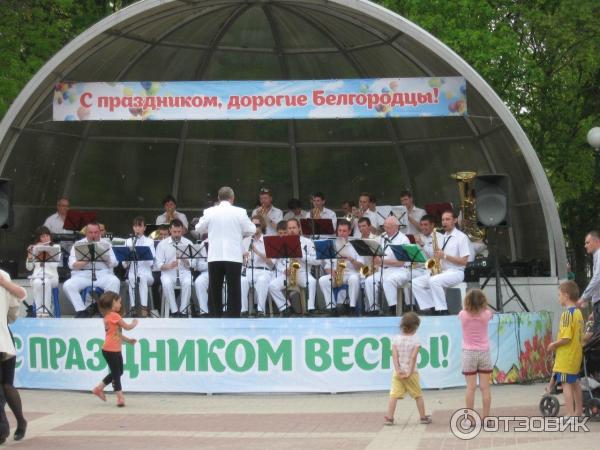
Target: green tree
<point>542,57</point>
<point>31,31</point>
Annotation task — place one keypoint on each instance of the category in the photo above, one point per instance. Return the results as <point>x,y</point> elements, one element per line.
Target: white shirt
<point>373,216</point>
<point>325,214</point>
<point>346,250</point>
<point>50,269</point>
<point>162,219</point>
<point>416,214</point>
<point>109,260</point>
<point>385,242</point>
<point>226,226</point>
<point>56,224</point>
<point>455,243</point>
<point>6,298</point>
<point>142,241</point>
<point>166,253</point>
<point>592,291</point>
<point>259,244</point>
<point>290,215</point>
<point>275,216</point>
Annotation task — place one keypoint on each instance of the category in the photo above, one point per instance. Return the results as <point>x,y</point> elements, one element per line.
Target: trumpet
<point>315,213</point>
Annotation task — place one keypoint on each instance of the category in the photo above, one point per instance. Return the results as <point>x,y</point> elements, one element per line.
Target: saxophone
<point>339,274</point>
<point>293,277</point>
<point>433,264</point>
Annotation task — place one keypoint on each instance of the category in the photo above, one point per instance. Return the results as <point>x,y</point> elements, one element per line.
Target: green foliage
<point>32,31</point>
<point>542,57</point>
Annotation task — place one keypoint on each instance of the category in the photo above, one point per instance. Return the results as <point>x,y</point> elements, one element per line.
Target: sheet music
<point>101,251</point>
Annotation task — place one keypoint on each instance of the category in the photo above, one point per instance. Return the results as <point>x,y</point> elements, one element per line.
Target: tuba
<point>433,264</point>
<point>467,205</point>
<point>293,277</point>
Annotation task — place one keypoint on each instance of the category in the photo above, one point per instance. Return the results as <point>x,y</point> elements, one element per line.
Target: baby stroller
<point>590,384</point>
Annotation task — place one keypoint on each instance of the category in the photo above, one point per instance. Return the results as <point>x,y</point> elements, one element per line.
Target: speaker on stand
<point>492,199</point>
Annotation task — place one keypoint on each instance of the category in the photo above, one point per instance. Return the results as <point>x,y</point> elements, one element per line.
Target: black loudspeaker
<point>492,200</point>
<point>6,205</point>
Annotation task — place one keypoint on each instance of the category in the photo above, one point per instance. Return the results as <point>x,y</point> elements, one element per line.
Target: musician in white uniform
<point>144,268</point>
<point>277,285</point>
<point>319,211</point>
<point>453,255</point>
<point>367,209</point>
<point>395,273</point>
<point>56,222</point>
<point>294,210</point>
<point>266,209</point>
<point>413,214</point>
<point>44,274</point>
<point>174,271</point>
<point>81,271</point>
<point>171,213</point>
<point>201,281</point>
<point>258,268</point>
<point>350,277</point>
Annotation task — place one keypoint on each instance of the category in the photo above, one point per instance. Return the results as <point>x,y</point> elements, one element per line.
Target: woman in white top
<point>10,295</point>
<point>42,272</point>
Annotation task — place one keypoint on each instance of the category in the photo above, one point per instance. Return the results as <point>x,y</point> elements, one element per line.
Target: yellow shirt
<point>569,356</point>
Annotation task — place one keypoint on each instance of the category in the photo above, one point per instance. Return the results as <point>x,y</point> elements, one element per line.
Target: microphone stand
<point>307,278</point>
<point>252,274</point>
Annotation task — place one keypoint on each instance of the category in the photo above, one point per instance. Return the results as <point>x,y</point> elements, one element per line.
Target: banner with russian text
<point>270,355</point>
<point>252,100</point>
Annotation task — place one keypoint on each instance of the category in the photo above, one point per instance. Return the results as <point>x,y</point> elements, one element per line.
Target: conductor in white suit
<point>226,225</point>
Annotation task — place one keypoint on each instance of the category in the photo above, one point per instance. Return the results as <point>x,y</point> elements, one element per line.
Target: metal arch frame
<point>554,231</point>
<point>558,254</point>
<point>316,24</point>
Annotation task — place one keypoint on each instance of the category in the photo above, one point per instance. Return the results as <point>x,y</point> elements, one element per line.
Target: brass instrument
<point>339,274</point>
<point>171,216</point>
<point>293,277</point>
<point>433,264</point>
<point>467,205</point>
<point>365,271</point>
<point>315,213</point>
<point>154,235</point>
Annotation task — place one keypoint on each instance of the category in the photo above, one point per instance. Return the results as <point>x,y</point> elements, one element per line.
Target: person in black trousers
<point>226,226</point>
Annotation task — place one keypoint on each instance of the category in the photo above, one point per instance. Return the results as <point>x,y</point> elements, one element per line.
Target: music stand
<point>133,255</point>
<point>190,252</point>
<point>287,247</point>
<point>410,253</point>
<point>43,254</point>
<point>372,248</point>
<point>316,227</point>
<point>91,252</point>
<point>326,249</point>
<point>76,220</point>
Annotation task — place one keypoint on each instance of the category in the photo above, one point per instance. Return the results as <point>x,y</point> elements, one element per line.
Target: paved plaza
<point>78,420</point>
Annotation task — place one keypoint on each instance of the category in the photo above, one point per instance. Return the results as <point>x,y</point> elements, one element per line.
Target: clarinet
<point>177,281</point>
<point>249,256</point>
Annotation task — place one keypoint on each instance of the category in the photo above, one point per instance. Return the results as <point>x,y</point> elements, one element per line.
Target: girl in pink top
<point>474,319</point>
<point>110,306</point>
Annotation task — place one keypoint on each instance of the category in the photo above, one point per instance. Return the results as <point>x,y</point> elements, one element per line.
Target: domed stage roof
<point>122,169</point>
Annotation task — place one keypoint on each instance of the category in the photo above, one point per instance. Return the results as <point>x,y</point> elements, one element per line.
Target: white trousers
<point>146,280</point>
<point>277,289</point>
<point>429,290</point>
<point>393,278</point>
<point>201,288</point>
<point>262,278</point>
<point>352,279</point>
<point>39,296</point>
<point>80,279</point>
<point>168,281</point>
